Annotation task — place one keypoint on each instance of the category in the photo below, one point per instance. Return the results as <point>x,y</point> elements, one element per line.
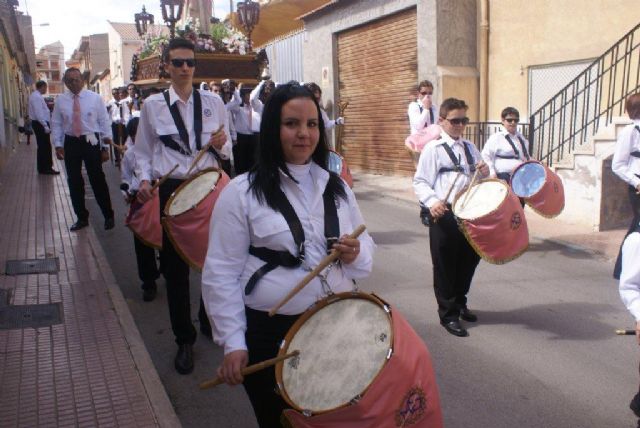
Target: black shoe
<point>635,404</point>
<point>80,224</point>
<point>109,223</point>
<point>467,315</point>
<point>149,291</point>
<point>454,327</point>
<point>184,359</point>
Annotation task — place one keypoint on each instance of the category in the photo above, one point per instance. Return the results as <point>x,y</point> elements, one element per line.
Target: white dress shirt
<point>254,98</point>
<point>419,117</point>
<point>128,167</point>
<point>239,221</point>
<point>630,275</point>
<point>497,144</point>
<point>328,123</point>
<point>624,165</point>
<point>93,116</point>
<point>114,111</point>
<point>431,186</point>
<point>153,158</point>
<point>38,109</point>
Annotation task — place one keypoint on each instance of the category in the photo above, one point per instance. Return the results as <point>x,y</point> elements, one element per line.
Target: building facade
<point>50,67</point>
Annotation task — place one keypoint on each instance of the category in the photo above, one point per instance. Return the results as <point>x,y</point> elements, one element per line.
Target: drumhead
<point>343,346</point>
<point>192,192</point>
<point>484,197</point>
<point>528,179</point>
<point>334,163</point>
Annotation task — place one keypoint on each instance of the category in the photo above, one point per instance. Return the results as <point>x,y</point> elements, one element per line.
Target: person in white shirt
<point>629,288</point>
<point>454,260</point>
<point>422,112</point>
<point>81,132</point>
<point>626,164</point>
<point>317,92</point>
<point>169,134</point>
<point>251,229</point>
<point>507,148</point>
<point>40,121</point>
<point>116,111</point>
<point>145,256</point>
<point>247,124</point>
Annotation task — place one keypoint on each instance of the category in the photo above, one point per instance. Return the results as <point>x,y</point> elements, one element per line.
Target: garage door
<point>377,66</point>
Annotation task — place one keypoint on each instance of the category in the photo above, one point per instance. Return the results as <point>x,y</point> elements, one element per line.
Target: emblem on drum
<point>516,221</point>
<point>412,408</point>
<point>207,112</point>
<point>555,187</point>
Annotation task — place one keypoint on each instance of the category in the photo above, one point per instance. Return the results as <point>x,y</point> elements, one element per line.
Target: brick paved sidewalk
<point>92,368</point>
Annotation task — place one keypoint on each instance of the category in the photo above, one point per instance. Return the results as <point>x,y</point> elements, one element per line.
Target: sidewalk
<point>604,245</point>
<point>90,367</point>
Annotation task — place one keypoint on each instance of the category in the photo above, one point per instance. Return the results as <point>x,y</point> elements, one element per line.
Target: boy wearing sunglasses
<point>507,148</point>
<point>422,112</point>
<point>445,168</point>
<point>174,126</point>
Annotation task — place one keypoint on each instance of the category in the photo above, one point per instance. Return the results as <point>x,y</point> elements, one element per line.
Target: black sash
<point>515,150</point>
<point>273,258</point>
<point>430,114</point>
<point>456,162</point>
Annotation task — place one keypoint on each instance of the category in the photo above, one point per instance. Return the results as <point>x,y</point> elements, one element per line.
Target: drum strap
<point>456,161</point>
<point>274,258</point>
<point>515,150</point>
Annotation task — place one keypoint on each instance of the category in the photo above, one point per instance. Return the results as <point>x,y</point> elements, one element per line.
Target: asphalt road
<point>543,353</point>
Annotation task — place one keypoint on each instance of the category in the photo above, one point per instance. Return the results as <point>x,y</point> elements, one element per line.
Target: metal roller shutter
<point>377,64</point>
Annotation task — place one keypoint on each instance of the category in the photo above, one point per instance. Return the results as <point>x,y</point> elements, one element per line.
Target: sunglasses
<point>512,120</point>
<point>426,93</point>
<point>178,62</point>
<point>458,120</point>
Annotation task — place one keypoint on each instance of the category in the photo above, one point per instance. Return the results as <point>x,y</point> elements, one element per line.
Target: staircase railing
<point>590,100</point>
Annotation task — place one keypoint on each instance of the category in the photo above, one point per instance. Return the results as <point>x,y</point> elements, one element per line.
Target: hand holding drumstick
<point>216,141</point>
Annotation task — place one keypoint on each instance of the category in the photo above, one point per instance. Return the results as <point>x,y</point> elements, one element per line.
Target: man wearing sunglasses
<point>174,126</point>
<point>507,148</point>
<point>422,112</point>
<point>444,169</point>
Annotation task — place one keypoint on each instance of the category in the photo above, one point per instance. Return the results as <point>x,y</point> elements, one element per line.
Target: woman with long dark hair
<point>271,226</point>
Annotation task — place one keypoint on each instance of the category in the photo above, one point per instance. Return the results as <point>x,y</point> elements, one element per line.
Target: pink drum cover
<point>549,201</point>
<point>404,394</point>
<point>144,221</point>
<point>500,236</point>
<point>419,140</point>
<point>189,231</point>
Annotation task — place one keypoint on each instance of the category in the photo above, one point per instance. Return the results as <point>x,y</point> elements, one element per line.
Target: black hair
<point>424,84</point>
<point>41,84</point>
<point>178,43</point>
<point>132,127</point>
<point>69,70</point>
<point>510,110</point>
<point>313,87</point>
<point>451,104</point>
<point>632,106</point>
<point>264,176</point>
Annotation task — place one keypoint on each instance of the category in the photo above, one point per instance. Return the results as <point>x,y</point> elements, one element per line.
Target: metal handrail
<point>575,113</point>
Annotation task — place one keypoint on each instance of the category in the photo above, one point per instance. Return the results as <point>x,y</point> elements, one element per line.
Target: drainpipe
<point>484,60</point>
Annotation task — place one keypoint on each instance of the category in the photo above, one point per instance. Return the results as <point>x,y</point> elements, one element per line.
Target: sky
<point>71,19</point>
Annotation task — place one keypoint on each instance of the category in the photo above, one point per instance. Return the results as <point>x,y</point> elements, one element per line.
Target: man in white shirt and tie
<point>40,121</point>
<point>167,136</point>
<point>81,133</point>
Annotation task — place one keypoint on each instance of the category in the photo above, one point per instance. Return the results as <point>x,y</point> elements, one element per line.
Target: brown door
<point>377,66</point>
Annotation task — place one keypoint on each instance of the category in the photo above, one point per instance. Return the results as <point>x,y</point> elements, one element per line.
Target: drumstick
<point>466,195</point>
<point>623,332</point>
<point>323,264</point>
<point>118,146</point>
<point>163,178</point>
<point>203,151</point>
<point>446,198</point>
<point>251,369</point>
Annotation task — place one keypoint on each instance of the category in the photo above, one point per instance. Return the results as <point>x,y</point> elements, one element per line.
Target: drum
<point>540,188</point>
<point>492,220</point>
<point>188,212</point>
<point>338,165</point>
<point>144,221</point>
<point>386,378</point>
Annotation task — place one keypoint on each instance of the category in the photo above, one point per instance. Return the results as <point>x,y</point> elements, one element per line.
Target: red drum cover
<point>403,394</point>
<point>540,187</point>
<point>189,230</point>
<point>493,221</point>
<point>144,221</point>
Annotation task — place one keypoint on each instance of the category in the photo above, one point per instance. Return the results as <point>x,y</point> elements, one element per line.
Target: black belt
<point>507,157</point>
<point>635,154</point>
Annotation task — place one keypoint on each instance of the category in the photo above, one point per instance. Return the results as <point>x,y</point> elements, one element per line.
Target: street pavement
<point>543,353</point>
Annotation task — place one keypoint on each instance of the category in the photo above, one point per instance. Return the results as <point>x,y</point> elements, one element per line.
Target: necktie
<point>76,122</point>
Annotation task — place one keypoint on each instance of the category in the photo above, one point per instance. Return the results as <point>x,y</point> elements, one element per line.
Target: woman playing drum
<point>271,225</point>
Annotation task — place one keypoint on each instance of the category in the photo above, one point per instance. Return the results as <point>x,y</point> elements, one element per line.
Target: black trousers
<point>454,263</point>
<point>119,137</point>
<point>634,199</point>
<point>263,336</point>
<point>176,274</point>
<point>76,151</point>
<point>244,152</point>
<point>44,153</point>
<point>146,261</point>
